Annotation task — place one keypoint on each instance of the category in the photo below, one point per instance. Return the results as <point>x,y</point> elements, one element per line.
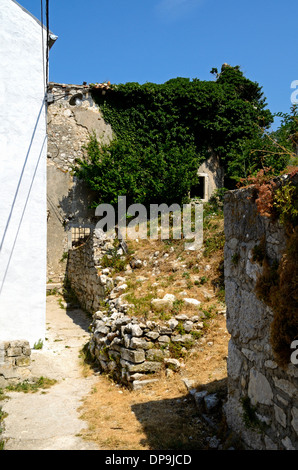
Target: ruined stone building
<point>72,117</point>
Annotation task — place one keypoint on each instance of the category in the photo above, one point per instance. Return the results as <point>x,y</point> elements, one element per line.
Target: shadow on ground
<point>181,424</point>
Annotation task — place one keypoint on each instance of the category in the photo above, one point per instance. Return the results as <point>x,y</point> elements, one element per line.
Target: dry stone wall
<point>90,286</point>
<point>15,361</point>
<point>128,348</point>
<point>262,404</point>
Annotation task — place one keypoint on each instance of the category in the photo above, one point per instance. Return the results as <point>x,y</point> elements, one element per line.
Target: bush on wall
<point>163,132</point>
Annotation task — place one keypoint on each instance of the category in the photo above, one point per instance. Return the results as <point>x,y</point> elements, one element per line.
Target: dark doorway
<point>198,190</point>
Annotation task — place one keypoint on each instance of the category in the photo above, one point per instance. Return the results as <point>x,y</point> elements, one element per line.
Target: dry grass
<point>163,416</point>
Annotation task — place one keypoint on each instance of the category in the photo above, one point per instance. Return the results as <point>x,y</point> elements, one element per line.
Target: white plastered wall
<point>22,176</point>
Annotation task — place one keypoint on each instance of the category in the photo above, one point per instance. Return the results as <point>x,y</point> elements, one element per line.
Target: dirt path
<point>49,419</point>
<point>92,413</point>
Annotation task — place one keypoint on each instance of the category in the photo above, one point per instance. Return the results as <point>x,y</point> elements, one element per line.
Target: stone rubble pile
<point>131,350</point>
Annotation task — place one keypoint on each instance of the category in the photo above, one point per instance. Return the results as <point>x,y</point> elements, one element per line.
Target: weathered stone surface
<point>294,421</point>
<point>211,401</point>
<point>259,389</point>
<point>280,416</point>
<point>194,302</point>
<point>161,304</point>
<point>154,355</point>
<point>252,370</point>
<point>174,364</point>
<point>133,355</point>
<point>286,386</point>
<point>147,366</point>
<point>15,362</point>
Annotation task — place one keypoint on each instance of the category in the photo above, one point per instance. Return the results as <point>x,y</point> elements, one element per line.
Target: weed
<point>38,345</point>
<point>177,306</point>
<point>250,417</point>
<point>214,243</point>
<point>235,259</point>
<point>53,291</point>
<point>61,304</point>
<point>180,328</point>
<point>32,387</point>
<point>259,251</point>
<point>176,350</point>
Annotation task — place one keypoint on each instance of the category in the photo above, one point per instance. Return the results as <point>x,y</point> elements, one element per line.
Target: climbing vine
<point>163,132</point>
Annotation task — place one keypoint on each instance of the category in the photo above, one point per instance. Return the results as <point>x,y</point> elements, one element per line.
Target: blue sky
<point>155,40</point>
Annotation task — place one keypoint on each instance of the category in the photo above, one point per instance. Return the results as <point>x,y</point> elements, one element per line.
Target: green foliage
<point>163,132</point>
<point>115,261</point>
<point>214,243</point>
<point>38,344</point>
<point>286,204</point>
<point>259,251</point>
<point>32,387</point>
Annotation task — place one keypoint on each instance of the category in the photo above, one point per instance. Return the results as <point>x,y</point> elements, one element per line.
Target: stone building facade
<point>72,117</point>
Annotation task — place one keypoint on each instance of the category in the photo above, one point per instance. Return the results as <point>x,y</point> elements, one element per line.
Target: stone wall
<point>128,348</point>
<point>15,360</point>
<point>262,404</point>
<point>69,125</point>
<point>132,350</point>
<point>84,273</point>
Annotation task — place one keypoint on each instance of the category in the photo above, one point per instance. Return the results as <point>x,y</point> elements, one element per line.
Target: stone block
<point>155,355</point>
<point>135,356</point>
<point>147,366</point>
<point>259,389</point>
<point>23,361</point>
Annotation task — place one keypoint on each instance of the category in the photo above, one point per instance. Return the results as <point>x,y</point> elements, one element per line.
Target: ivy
<point>163,132</point>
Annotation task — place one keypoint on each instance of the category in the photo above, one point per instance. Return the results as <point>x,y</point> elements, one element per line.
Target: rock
<point>213,442</point>
<point>259,389</point>
<point>173,364</point>
<point>188,384</point>
<point>140,343</point>
<point>189,301</point>
<point>181,317</point>
<point>135,356</point>
<point>188,326</point>
<point>136,263</point>
<point>154,355</point>
<point>139,384</point>
<point>211,401</point>
<point>166,303</point>
<point>184,339</point>
<point>173,323</point>
<point>164,339</point>
<point>106,271</point>
<point>199,397</point>
<point>152,335</point>
<point>121,287</point>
